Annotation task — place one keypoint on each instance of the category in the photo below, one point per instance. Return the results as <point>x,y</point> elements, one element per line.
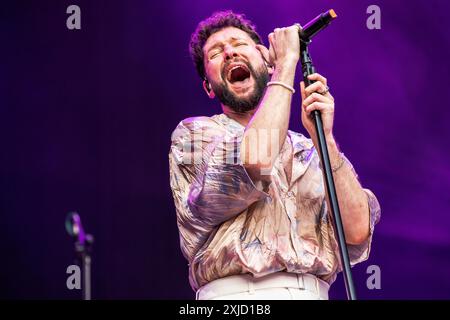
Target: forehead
<point>226,35</point>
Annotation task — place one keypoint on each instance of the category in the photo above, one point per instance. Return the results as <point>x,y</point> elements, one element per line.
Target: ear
<point>208,90</point>
<point>265,55</point>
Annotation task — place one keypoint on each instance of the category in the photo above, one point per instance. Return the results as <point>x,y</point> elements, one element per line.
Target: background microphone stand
<point>308,68</point>
<point>83,250</point>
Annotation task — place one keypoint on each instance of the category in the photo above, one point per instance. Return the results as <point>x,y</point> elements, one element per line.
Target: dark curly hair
<point>214,23</point>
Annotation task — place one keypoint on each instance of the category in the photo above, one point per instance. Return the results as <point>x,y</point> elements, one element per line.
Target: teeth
<point>238,66</point>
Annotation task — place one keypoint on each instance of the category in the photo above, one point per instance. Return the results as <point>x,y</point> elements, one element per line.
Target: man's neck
<point>242,118</point>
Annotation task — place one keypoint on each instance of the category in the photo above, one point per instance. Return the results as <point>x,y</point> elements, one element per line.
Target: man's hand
<point>313,100</point>
<point>284,47</point>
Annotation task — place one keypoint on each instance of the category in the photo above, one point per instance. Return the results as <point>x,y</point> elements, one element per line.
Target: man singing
<point>252,210</point>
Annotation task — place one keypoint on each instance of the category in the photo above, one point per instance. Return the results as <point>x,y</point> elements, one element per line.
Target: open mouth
<point>238,73</point>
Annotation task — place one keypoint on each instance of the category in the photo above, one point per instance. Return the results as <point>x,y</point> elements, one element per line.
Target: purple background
<point>86,118</point>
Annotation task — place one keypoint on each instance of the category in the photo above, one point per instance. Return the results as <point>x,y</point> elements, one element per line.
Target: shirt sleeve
<point>359,253</point>
<point>208,160</point>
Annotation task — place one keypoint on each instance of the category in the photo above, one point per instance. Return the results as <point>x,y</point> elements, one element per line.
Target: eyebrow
<point>218,44</point>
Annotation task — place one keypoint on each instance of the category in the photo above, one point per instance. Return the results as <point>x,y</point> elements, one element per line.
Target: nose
<point>230,52</point>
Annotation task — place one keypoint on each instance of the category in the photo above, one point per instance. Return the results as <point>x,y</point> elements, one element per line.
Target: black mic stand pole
<point>84,255</point>
<point>307,69</point>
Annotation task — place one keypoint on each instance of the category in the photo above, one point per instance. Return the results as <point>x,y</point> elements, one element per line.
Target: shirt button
<point>290,194</point>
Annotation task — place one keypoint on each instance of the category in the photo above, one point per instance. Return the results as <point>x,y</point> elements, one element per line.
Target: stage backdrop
<point>86,117</point>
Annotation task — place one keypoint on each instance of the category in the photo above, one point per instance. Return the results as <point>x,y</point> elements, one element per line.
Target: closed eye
<point>214,54</point>
<point>217,52</point>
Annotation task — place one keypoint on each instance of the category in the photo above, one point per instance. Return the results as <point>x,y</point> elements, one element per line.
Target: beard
<point>242,105</point>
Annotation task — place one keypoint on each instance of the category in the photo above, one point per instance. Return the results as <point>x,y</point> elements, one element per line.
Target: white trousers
<point>275,286</point>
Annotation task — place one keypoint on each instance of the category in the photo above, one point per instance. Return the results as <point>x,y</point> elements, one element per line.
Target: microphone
<point>316,24</point>
<point>75,229</point>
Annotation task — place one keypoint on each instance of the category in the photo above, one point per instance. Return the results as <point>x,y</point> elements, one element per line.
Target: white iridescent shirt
<point>229,225</point>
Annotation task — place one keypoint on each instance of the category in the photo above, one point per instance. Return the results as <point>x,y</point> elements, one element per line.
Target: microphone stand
<point>83,250</point>
<point>307,69</point>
